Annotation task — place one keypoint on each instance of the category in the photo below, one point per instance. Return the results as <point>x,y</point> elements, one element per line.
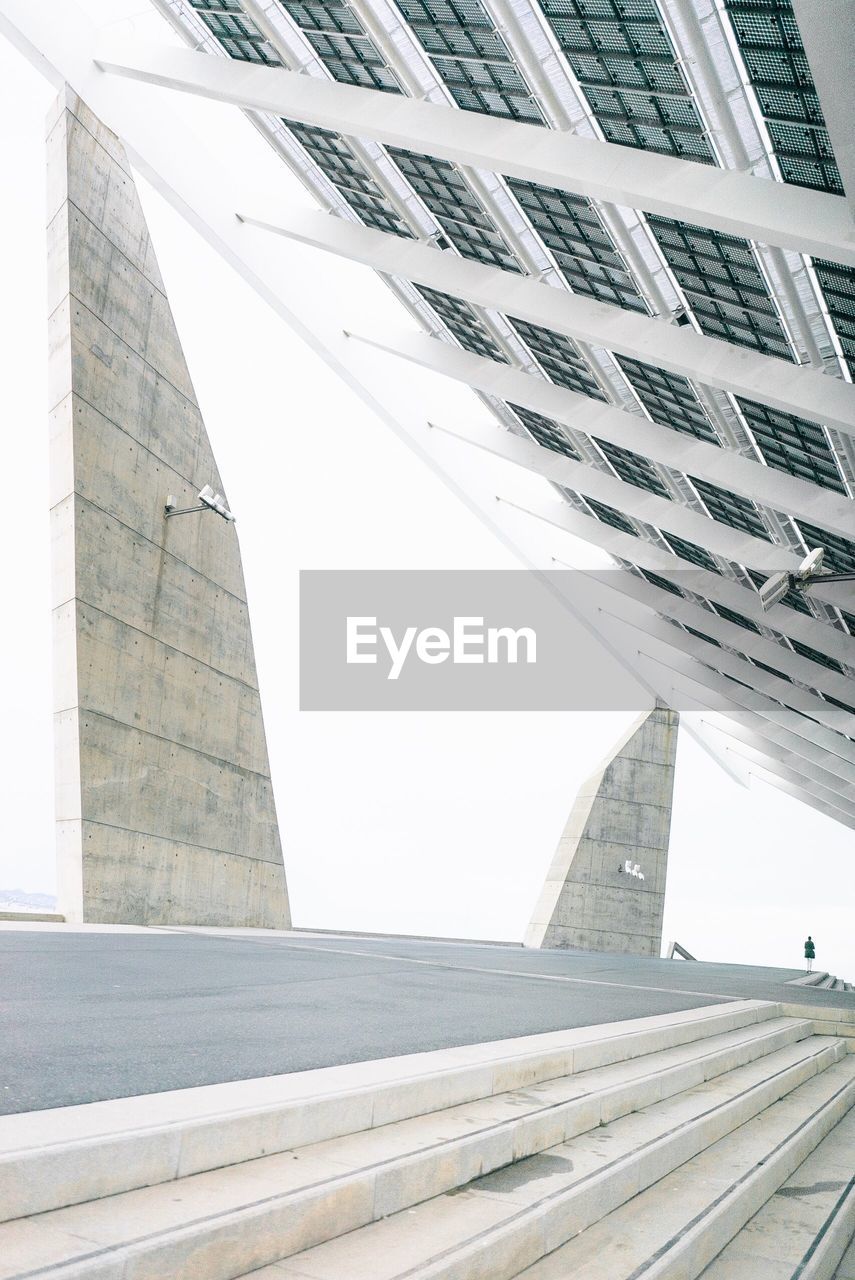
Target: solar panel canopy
<point>726,84</point>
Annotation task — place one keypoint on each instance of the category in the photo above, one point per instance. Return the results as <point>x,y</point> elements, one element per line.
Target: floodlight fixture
<point>208,501</point>
<point>809,571</point>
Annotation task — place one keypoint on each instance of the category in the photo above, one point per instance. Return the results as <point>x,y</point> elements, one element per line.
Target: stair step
<point>222,1222</point>
<point>52,1159</point>
<point>673,1230</point>
<point>804,1229</point>
<point>809,979</point>
<point>501,1223</point>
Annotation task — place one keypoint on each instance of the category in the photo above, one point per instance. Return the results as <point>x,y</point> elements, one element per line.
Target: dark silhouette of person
<point>810,953</point>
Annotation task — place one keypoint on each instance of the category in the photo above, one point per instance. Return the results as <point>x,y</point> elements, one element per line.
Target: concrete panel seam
<point>207,848</point>
<point>173,742</point>
<point>251,688</point>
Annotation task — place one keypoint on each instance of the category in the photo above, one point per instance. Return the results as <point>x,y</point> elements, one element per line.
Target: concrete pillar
<point>605,890</point>
<point>165,810</point>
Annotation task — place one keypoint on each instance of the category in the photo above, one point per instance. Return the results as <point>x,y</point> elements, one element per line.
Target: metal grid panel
<point>815,656</point>
<point>339,40</point>
<point>663,583</point>
<point>336,160</point>
<point>723,285</point>
<point>692,552</point>
<point>838,289</point>
<point>585,252</point>
<point>237,33</point>
<point>839,552</point>
<point>792,444</point>
<point>669,399</point>
<point>449,198</point>
<point>772,49</point>
<point>632,468</point>
<point>622,56</point>
<point>549,434</point>
<point>459,318</point>
<point>471,57</point>
<point>558,358</point>
<point>609,516</point>
<point>729,508</point>
<point>738,619</point>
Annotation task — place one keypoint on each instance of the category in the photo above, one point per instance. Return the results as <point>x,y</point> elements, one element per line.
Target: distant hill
<point>18,900</point>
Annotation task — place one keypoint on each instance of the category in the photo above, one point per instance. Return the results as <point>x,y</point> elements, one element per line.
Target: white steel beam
<point>786,773</point>
<point>640,504</point>
<point>703,582</point>
<point>692,686</point>
<point>688,690</point>
<point>791,748</point>
<point>774,382</point>
<point>736,203</point>
<point>739,639</point>
<point>827,29</point>
<point>671,448</point>
<point>730,664</point>
<point>695,660</point>
<point>671,516</point>
<point>686,668</point>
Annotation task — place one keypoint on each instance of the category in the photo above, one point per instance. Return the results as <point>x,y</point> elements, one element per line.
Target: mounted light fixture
<point>809,571</point>
<point>208,501</point>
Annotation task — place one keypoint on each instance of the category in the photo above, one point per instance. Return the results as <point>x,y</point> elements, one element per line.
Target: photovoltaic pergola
<point>627,226</point>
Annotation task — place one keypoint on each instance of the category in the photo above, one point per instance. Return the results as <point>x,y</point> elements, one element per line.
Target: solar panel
<point>669,399</point>
<point>838,290</point>
<point>632,468</point>
<point>336,159</point>
<point>723,285</point>
<point>549,434</point>
<point>573,230</point>
<point>471,57</point>
<point>449,198</point>
<point>459,318</point>
<point>623,58</point>
<point>338,38</point>
<point>237,33</point>
<point>839,552</point>
<point>792,444</point>
<point>772,49</point>
<point>731,509</point>
<point>609,516</point>
<point>558,358</point>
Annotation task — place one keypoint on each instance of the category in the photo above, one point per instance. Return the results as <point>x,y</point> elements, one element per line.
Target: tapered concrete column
<point>605,890</point>
<point>165,810</point>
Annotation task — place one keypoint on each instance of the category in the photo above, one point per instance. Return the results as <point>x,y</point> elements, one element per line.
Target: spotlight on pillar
<point>208,501</point>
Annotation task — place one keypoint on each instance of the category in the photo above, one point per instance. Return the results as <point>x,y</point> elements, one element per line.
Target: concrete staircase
<point>671,1147</point>
<point>822,981</point>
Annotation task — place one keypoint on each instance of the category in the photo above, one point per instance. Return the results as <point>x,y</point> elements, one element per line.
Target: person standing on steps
<point>810,953</point>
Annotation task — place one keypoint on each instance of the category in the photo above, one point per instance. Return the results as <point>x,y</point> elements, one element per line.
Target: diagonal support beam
<point>737,203</point>
<point>774,382</point>
<point>682,452</point>
<point>640,504</point>
<point>746,642</point>
<point>712,586</point>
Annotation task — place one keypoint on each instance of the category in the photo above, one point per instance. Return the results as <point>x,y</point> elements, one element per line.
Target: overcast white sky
<point>435,823</point>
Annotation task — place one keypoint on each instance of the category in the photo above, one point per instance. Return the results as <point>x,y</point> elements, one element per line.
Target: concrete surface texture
<point>165,808</point>
<point>605,889</point>
<point>109,1011</point>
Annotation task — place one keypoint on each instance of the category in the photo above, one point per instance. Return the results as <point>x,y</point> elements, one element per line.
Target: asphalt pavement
<point>91,1015</point>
